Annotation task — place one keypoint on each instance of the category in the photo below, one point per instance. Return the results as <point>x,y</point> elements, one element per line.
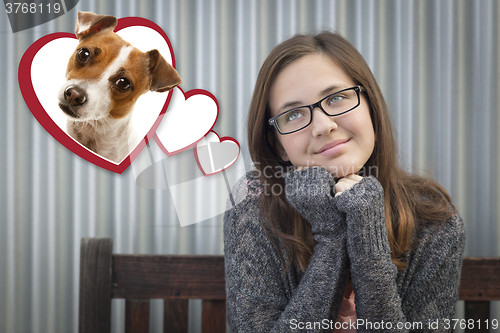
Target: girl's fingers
<point>355,177</point>
<point>343,185</point>
<point>346,183</point>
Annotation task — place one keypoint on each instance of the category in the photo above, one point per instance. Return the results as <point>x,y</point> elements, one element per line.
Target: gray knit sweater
<point>350,235</point>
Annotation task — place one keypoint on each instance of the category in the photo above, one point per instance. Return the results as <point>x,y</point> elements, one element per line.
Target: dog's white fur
<point>109,137</point>
<point>98,104</point>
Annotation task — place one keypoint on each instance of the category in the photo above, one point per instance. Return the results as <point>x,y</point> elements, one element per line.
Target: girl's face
<point>303,82</point>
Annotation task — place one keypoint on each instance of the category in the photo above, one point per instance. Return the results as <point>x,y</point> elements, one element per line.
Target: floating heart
<point>189,118</point>
<point>214,154</point>
<point>42,73</point>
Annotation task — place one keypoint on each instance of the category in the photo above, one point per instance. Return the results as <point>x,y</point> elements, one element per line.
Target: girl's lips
<point>335,149</point>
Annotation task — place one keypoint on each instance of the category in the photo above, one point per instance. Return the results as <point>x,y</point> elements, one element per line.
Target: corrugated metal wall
<point>437,63</point>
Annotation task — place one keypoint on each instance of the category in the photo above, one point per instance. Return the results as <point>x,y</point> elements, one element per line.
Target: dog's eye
<point>123,84</point>
<point>83,55</point>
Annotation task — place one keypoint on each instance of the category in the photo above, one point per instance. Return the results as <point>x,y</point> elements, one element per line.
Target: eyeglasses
<point>300,117</point>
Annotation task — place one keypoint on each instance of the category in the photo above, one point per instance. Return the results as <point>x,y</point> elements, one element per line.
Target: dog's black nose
<point>75,96</point>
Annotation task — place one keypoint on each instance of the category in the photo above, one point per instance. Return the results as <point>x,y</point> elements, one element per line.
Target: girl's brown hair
<point>408,198</point>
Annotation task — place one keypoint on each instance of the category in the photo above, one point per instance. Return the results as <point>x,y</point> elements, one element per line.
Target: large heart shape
<point>189,118</point>
<point>42,71</point>
<point>214,154</point>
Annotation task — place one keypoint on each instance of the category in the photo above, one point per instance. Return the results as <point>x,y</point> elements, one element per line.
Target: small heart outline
<point>225,138</point>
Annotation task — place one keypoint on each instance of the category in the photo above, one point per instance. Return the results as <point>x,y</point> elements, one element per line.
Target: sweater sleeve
<point>258,298</point>
<point>431,288</point>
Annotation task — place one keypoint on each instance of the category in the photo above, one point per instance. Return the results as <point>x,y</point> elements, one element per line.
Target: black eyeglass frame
<point>311,107</point>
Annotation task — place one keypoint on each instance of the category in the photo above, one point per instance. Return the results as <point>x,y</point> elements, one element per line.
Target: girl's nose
<point>322,124</point>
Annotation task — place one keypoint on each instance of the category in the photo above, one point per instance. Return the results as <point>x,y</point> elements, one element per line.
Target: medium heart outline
<point>187,95</point>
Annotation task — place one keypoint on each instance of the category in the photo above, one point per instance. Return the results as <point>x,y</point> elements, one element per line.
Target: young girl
<point>330,234</point>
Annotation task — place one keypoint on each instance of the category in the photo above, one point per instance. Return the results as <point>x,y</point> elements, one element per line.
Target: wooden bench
<point>479,285</point>
<point>139,278</point>
<point>177,278</point>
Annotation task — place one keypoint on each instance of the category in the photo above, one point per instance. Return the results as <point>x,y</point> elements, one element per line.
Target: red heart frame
<point>31,100</point>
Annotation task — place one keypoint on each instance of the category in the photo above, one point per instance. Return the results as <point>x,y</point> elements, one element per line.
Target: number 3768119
<point>471,324</point>
<point>32,8</point>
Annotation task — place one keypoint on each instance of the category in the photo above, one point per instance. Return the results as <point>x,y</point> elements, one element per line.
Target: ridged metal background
<point>437,63</point>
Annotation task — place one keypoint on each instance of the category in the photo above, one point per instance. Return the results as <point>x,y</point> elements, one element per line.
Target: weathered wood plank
<point>175,315</point>
<point>95,285</point>
<point>479,312</point>
<point>213,316</point>
<point>160,276</point>
<point>136,316</point>
<point>480,279</point>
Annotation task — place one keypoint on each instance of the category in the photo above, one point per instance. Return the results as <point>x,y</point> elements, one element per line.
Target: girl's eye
<point>293,115</point>
<point>123,84</point>
<point>335,99</point>
<point>83,55</point>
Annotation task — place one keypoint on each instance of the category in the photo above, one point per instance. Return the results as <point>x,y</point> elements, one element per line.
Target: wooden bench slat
<point>213,316</point>
<point>478,310</point>
<point>480,279</point>
<point>95,285</point>
<point>159,276</point>
<point>175,315</point>
<point>136,316</point>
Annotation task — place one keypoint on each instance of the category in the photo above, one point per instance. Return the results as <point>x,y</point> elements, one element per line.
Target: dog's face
<point>106,75</point>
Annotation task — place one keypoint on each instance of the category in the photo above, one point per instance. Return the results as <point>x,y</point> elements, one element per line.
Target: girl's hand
<point>346,183</point>
<point>310,190</point>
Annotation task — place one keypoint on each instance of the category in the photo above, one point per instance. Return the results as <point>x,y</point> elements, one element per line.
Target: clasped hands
<point>343,184</point>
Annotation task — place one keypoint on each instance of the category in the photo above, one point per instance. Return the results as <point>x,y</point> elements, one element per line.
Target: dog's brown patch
<point>108,47</point>
<point>135,69</point>
<point>104,49</point>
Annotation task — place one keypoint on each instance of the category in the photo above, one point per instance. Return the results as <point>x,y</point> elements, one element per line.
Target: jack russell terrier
<point>104,78</point>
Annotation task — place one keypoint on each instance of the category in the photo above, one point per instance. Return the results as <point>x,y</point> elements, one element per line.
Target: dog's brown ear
<point>89,24</point>
<point>164,77</point>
